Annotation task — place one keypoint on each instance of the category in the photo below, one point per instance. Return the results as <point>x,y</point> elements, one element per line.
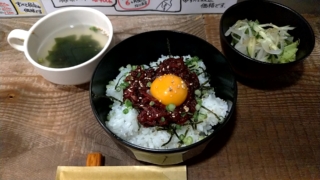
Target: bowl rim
<point>172,150</point>
<point>223,37</point>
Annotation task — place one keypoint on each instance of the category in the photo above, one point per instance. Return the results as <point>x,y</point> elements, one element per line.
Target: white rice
<point>126,126</point>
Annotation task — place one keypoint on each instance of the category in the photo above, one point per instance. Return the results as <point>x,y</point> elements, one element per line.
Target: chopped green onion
<point>205,94</point>
<point>188,140</point>
<point>181,137</point>
<point>151,103</point>
<point>149,84</point>
<point>199,100</point>
<point>197,92</point>
<point>192,61</point>
<point>198,106</point>
<point>125,111</point>
<point>121,86</point>
<point>195,117</point>
<point>162,119</point>
<point>202,116</point>
<point>134,67</point>
<point>178,126</point>
<point>118,89</point>
<point>170,107</point>
<point>128,103</point>
<point>124,85</point>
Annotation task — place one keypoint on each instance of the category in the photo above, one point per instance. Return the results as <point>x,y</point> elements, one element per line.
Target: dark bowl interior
<point>146,47</point>
<point>264,12</point>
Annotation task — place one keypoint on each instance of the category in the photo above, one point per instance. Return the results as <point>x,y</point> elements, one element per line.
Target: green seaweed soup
<point>71,46</point>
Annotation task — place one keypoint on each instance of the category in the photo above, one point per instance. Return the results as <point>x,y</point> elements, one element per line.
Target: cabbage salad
<point>263,42</point>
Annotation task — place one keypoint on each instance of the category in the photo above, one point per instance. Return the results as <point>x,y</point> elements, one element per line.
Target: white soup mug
<point>30,41</point>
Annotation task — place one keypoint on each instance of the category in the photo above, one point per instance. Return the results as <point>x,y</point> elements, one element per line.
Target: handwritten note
<point>148,5</point>
<point>6,8</point>
<point>21,8</point>
<point>116,7</point>
<point>83,3</point>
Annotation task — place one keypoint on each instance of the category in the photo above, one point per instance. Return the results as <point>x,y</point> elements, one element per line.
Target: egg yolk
<point>169,89</point>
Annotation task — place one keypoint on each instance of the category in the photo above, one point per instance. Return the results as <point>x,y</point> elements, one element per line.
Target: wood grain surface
<point>274,134</point>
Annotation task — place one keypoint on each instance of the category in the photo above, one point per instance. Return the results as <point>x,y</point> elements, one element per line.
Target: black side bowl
<point>143,49</point>
<point>264,12</point>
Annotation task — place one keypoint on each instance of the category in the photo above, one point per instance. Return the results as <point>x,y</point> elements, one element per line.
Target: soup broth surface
<point>71,46</point>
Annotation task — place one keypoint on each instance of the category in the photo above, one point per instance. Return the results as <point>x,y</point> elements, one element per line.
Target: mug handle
<point>16,39</point>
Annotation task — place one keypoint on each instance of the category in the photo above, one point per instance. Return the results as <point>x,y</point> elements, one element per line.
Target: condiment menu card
<point>13,8</point>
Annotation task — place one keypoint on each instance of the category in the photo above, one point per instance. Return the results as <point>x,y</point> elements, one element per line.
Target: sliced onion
<point>270,41</point>
<point>266,46</point>
<point>242,48</point>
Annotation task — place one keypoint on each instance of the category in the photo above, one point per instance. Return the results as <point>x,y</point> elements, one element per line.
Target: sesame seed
<point>186,108</point>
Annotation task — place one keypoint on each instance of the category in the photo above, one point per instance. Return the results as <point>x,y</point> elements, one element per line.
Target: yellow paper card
<point>121,173</point>
<point>26,7</point>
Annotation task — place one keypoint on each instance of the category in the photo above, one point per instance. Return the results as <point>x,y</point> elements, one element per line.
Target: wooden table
<point>275,133</point>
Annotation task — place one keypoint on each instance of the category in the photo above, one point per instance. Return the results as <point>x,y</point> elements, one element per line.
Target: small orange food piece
<point>169,89</point>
